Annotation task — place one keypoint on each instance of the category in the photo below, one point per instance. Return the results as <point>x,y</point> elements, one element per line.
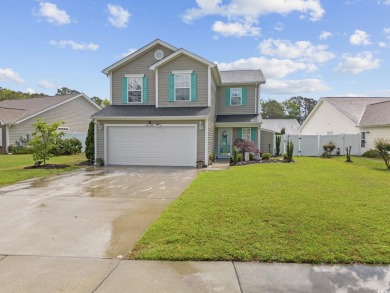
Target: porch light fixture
<point>200,125</point>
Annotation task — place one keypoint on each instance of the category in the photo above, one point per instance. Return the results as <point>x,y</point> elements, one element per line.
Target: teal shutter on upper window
<point>124,90</point>
<point>239,133</point>
<point>227,96</point>
<point>253,133</point>
<point>171,88</point>
<point>194,94</point>
<point>145,90</point>
<point>244,96</point>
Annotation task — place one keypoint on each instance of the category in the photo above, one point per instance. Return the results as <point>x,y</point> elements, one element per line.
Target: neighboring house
<point>170,107</point>
<point>17,117</point>
<point>369,117</point>
<point>271,126</point>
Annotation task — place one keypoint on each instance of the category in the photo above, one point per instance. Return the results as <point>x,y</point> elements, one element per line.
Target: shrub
<point>235,154</point>
<point>278,141</point>
<point>383,147</point>
<point>66,147</point>
<point>212,157</point>
<point>239,157</point>
<point>18,150</point>
<point>90,142</point>
<point>329,147</point>
<point>290,151</point>
<point>371,154</point>
<point>251,156</point>
<point>266,156</point>
<point>285,157</point>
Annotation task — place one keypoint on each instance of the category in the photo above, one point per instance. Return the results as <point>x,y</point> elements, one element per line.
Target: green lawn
<point>314,211</point>
<point>11,167</point>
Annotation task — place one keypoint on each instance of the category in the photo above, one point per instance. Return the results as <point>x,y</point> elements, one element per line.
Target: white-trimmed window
<point>236,96</point>
<point>134,89</point>
<point>363,139</point>
<point>182,86</point>
<point>246,134</point>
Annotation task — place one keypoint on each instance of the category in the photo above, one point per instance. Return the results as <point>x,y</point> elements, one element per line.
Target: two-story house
<point>170,107</point>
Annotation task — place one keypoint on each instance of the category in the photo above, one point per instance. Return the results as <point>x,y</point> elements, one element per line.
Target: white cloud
<point>46,84</point>
<point>236,29</point>
<point>53,14</point>
<point>74,45</point>
<point>360,62</point>
<point>9,74</point>
<point>280,87</point>
<point>384,2</point>
<point>360,38</point>
<point>130,51</point>
<point>251,10</point>
<point>272,68</point>
<point>382,44</point>
<point>301,50</point>
<point>325,35</point>
<point>118,16</point>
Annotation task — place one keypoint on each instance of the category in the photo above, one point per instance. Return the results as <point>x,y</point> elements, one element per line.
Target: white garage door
<point>151,146</point>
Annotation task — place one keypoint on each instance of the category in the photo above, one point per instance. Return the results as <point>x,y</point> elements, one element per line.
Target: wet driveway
<point>94,212</point>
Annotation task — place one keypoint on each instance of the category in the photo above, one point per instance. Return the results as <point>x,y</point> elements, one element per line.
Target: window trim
<point>363,137</point>
<point>182,72</point>
<point>140,76</point>
<point>231,91</point>
<point>250,133</point>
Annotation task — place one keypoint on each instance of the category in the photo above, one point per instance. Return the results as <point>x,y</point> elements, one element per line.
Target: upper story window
<point>235,96</point>
<point>134,89</point>
<point>183,87</point>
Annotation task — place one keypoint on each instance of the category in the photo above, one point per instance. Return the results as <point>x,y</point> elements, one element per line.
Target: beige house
<point>369,117</point>
<point>17,117</point>
<point>170,107</point>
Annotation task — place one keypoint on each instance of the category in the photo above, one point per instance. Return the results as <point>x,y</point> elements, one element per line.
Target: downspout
<point>256,107</point>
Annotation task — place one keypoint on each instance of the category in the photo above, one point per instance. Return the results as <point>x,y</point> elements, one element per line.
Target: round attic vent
<point>159,54</point>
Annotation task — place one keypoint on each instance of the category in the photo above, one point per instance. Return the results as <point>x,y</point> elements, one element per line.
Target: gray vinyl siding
<point>75,113</point>
<point>266,141</point>
<point>3,136</point>
<point>249,108</point>
<point>211,119</point>
<point>200,134</point>
<point>183,63</point>
<point>139,65</point>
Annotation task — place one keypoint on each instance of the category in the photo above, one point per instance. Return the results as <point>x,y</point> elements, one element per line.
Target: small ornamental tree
<point>290,151</point>
<point>383,147</point>
<point>244,146</point>
<point>89,143</point>
<point>44,139</point>
<point>329,148</point>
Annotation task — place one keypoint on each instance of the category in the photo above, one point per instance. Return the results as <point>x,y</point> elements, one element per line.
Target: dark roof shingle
<point>376,114</point>
<point>244,118</point>
<point>242,76</point>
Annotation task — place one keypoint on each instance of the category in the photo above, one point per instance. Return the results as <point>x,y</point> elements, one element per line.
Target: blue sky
<point>311,48</point>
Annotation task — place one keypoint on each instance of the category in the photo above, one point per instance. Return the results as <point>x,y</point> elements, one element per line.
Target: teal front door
<point>224,142</point>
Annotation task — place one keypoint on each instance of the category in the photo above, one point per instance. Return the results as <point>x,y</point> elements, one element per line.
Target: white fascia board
<point>138,118</point>
<point>209,86</point>
<point>62,103</point>
<point>137,53</point>
<point>182,71</point>
<point>134,75</point>
<point>237,124</point>
<point>110,88</point>
<point>178,53</point>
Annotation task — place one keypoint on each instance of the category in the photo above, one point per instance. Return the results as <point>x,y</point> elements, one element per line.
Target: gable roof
<point>291,126</point>
<point>136,54</point>
<point>376,114</point>
<point>142,111</point>
<point>242,76</point>
<point>16,111</point>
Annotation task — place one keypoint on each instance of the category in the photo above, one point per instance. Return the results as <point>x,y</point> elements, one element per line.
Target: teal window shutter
<point>244,96</point>
<point>253,133</point>
<point>239,133</point>
<point>171,88</point>
<point>145,90</point>
<point>227,96</point>
<point>194,94</point>
<point>124,90</point>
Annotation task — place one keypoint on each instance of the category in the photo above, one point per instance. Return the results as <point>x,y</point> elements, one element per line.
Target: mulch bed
<point>85,163</point>
<point>271,161</point>
<point>48,166</point>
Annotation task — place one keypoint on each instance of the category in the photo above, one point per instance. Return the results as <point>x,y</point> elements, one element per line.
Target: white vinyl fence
<point>311,145</point>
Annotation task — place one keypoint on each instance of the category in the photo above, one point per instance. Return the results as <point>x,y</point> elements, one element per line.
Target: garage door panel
<point>154,146</point>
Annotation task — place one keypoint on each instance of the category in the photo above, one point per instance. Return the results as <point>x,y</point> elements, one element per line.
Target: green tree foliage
<point>44,139</point>
<point>90,143</point>
<point>66,91</point>
<point>290,151</point>
<point>6,94</point>
<point>278,141</point>
<point>101,103</point>
<point>272,109</point>
<point>383,147</point>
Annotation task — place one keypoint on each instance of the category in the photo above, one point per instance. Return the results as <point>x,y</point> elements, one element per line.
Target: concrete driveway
<point>96,212</point>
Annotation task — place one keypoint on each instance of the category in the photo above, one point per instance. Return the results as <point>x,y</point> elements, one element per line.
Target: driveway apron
<point>94,212</point>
